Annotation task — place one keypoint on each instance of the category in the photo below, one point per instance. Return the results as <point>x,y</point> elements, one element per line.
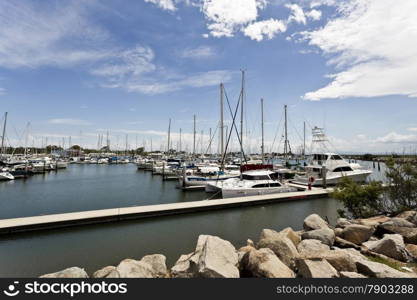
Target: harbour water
<point>88,187</point>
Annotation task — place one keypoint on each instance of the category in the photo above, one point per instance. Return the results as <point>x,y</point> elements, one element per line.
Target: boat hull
<point>232,193</point>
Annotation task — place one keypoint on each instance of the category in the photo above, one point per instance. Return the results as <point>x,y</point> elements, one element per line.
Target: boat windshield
<point>336,157</point>
<point>255,177</point>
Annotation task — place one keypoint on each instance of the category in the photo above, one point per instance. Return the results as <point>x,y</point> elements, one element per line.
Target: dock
<point>8,226</point>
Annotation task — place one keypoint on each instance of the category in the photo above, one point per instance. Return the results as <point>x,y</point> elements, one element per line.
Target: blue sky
<point>80,68</point>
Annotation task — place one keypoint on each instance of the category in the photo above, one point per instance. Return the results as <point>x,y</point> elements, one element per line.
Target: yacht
<point>335,167</point>
<point>330,165</point>
<point>5,175</point>
<point>252,183</point>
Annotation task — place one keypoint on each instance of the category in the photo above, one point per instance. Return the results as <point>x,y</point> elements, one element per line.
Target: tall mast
<point>194,137</point>
<point>304,140</point>
<point>241,117</point>
<point>221,121</point>
<point>108,141</point>
<point>26,139</point>
<point>210,141</point>
<point>262,118</point>
<point>180,140</point>
<point>4,133</point>
<point>169,135</point>
<point>286,134</point>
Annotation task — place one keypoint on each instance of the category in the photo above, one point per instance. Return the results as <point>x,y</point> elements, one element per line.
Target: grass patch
<point>390,263</point>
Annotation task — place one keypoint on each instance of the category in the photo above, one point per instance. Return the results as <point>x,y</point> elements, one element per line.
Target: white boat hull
<point>245,192</point>
<point>6,176</point>
<point>356,176</point>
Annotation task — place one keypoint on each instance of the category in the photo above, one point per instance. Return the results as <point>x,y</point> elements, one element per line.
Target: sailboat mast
<point>221,121</point>
<point>304,141</point>
<point>180,140</point>
<point>4,133</point>
<point>262,118</point>
<point>286,134</point>
<point>194,133</point>
<point>241,117</point>
<point>169,135</point>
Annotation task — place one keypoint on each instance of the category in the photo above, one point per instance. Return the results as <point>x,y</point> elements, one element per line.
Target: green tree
<point>360,201</point>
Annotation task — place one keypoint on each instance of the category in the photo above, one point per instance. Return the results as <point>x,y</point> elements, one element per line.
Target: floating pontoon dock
<point>8,226</point>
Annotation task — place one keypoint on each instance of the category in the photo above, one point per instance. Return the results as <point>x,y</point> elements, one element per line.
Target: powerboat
<point>5,176</point>
<point>252,183</point>
<point>333,167</point>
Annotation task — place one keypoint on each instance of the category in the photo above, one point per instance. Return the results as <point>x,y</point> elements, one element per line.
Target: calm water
<point>87,187</point>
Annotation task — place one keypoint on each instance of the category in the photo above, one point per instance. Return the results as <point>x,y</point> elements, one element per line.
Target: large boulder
<point>373,221</point>
<point>212,258</point>
<point>392,245</point>
<point>342,222</point>
<point>340,260</point>
<point>157,263</point>
<point>325,235</point>
<point>318,268</point>
<point>186,266</point>
<point>130,268</point>
<point>412,249</point>
<point>344,274</point>
<point>264,263</point>
<point>400,222</point>
<point>354,255</point>
<point>410,216</point>
<point>314,221</point>
<point>311,246</point>
<point>409,234</point>
<point>104,272</point>
<point>378,270</point>
<point>243,250</point>
<point>292,235</point>
<point>357,234</point>
<point>150,266</point>
<point>280,244</point>
<point>73,272</point>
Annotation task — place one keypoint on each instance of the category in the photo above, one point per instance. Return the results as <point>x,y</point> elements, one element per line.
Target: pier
<point>8,226</point>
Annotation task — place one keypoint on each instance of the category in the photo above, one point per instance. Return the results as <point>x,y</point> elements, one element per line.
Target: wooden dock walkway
<point>8,226</point>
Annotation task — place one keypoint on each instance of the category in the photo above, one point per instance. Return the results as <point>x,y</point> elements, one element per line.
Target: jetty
<point>8,226</point>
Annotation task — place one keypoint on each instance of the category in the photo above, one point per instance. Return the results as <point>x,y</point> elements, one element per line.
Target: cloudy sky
<point>80,68</point>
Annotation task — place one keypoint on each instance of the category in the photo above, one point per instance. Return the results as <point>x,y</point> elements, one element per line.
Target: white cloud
<point>198,80</point>
<point>317,3</point>
<point>314,14</point>
<point>164,4</point>
<point>225,16</point>
<point>75,122</point>
<point>297,14</point>
<point>269,28</point>
<point>199,52</point>
<point>395,138</point>
<point>62,35</point>
<point>412,129</point>
<point>130,62</point>
<point>373,45</point>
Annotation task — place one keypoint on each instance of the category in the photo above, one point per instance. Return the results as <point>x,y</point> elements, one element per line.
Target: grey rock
<point>392,245</point>
<point>313,222</point>
<point>412,249</point>
<point>264,263</point>
<point>104,272</point>
<point>400,222</point>
<point>292,235</point>
<point>342,222</point>
<point>319,268</point>
<point>378,270</point>
<point>325,235</point>
<point>409,234</point>
<point>410,216</point>
<point>311,246</point>
<point>73,272</point>
<point>340,260</point>
<point>157,263</point>
<point>130,268</point>
<point>213,257</point>
<point>338,231</point>
<point>357,234</point>
<point>280,244</point>
<point>344,274</point>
